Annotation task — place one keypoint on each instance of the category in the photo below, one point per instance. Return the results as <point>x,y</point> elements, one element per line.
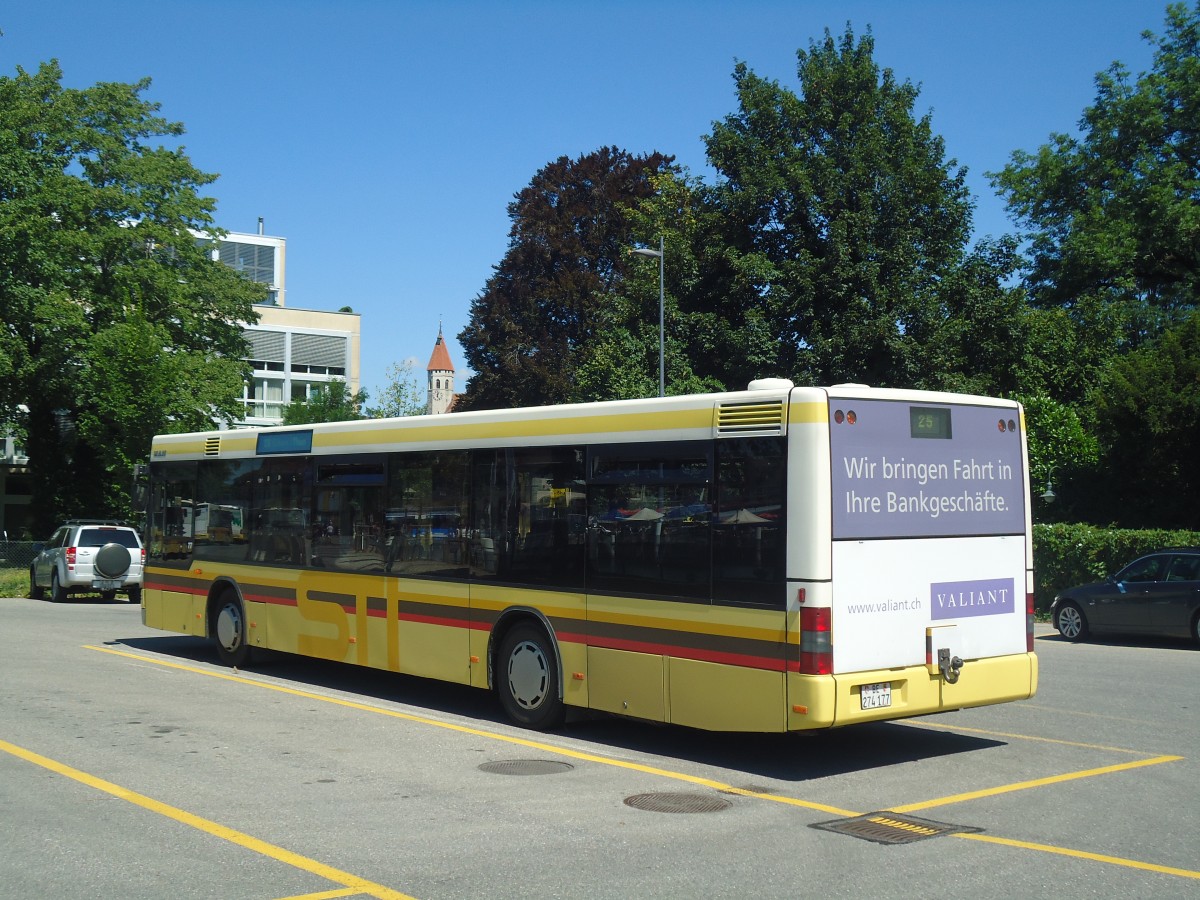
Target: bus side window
<point>649,519</point>
<point>169,521</point>
<point>749,546</point>
<point>424,520</point>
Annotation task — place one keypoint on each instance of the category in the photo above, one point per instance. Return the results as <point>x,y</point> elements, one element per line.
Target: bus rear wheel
<point>229,631</point>
<point>527,678</point>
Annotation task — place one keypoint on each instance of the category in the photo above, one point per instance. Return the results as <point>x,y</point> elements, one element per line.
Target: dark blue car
<point>1156,594</point>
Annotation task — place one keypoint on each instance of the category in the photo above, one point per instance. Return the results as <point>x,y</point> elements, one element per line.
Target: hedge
<point>1065,555</point>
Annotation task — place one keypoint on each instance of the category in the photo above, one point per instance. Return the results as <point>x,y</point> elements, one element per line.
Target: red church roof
<point>440,361</point>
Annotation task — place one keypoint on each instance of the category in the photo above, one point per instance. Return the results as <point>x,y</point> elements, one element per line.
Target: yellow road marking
<point>358,885</point>
<point>705,782</point>
<point>1037,782</point>
<point>1026,737</point>
<point>1081,854</point>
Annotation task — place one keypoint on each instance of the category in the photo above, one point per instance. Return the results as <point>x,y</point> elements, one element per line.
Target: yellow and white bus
<point>774,559</point>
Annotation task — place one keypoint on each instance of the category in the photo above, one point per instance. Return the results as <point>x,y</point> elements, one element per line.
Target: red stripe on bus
<point>716,656</point>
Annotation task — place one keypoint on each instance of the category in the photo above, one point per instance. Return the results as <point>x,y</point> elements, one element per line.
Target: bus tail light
<point>816,642</point>
<point>1029,623</point>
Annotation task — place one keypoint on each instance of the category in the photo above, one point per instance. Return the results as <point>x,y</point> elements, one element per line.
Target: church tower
<point>441,378</point>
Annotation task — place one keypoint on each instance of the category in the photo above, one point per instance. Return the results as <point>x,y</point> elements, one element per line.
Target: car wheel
<point>58,593</point>
<point>1196,627</point>
<point>229,630</point>
<point>527,678</point>
<point>1071,622</point>
<point>35,592</point>
<point>135,595</point>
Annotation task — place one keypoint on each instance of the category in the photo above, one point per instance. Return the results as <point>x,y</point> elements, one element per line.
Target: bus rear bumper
<point>825,701</point>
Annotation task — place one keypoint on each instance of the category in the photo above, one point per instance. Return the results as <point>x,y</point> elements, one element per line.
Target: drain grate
<point>892,828</point>
<point>678,802</point>
<point>526,767</point>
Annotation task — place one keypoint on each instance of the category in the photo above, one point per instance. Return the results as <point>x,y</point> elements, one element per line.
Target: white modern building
<point>293,352</point>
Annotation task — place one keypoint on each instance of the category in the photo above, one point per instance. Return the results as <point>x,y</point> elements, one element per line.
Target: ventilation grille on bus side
<point>750,418</point>
<point>212,446</point>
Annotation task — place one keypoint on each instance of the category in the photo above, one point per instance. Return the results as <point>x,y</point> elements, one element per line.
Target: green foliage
<point>1059,450</point>
<point>567,251</point>
<point>1113,215</point>
<point>103,278</point>
<point>1067,555</point>
<point>331,402</point>
<point>401,396</point>
<point>14,582</point>
<point>844,228</point>
<point>1148,419</point>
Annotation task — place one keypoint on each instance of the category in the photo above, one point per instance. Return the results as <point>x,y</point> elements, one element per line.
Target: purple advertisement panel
<point>956,599</point>
<point>912,469</point>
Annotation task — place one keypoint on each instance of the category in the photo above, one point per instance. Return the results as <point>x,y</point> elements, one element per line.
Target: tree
<point>331,402</point>
<point>116,322</point>
<point>567,252</point>
<point>844,227</point>
<point>401,396</point>
<point>622,359</point>
<point>1113,214</point>
<point>1148,422</point>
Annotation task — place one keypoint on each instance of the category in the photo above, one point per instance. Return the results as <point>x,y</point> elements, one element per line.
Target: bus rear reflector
<point>816,642</point>
<point>1029,623</point>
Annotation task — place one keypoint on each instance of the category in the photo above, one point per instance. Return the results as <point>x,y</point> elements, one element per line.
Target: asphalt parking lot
<point>132,764</point>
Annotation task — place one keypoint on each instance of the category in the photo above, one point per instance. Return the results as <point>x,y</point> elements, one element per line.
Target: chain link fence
<point>18,554</point>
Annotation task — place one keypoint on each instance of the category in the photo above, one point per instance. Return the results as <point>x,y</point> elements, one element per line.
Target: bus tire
<point>527,678</point>
<point>1071,622</point>
<point>229,630</point>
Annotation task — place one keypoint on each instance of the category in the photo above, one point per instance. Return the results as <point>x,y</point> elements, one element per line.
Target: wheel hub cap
<point>528,675</point>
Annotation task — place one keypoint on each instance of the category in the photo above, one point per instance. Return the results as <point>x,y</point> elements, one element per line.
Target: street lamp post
<point>661,256</point>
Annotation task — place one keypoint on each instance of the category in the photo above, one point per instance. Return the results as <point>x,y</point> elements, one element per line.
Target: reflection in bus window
<point>277,527</point>
<point>348,523</point>
<point>169,523</point>
<point>649,517</point>
<point>528,521</point>
<point>423,519</point>
<point>223,502</point>
<point>748,545</point>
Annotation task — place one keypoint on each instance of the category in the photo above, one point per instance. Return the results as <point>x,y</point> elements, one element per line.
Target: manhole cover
<point>526,767</point>
<point>892,828</point>
<point>678,803</point>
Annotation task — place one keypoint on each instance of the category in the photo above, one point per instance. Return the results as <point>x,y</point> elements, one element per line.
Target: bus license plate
<point>877,696</point>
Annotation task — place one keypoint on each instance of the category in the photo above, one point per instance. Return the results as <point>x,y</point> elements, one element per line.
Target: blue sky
<point>385,139</point>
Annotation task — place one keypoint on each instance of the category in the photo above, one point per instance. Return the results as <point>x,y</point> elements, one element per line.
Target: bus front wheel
<point>229,631</point>
<point>527,678</point>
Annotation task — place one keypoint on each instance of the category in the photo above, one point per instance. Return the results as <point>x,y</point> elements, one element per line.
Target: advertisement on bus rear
<point>911,469</point>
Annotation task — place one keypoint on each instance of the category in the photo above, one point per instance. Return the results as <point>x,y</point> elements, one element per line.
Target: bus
<point>769,560</point>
